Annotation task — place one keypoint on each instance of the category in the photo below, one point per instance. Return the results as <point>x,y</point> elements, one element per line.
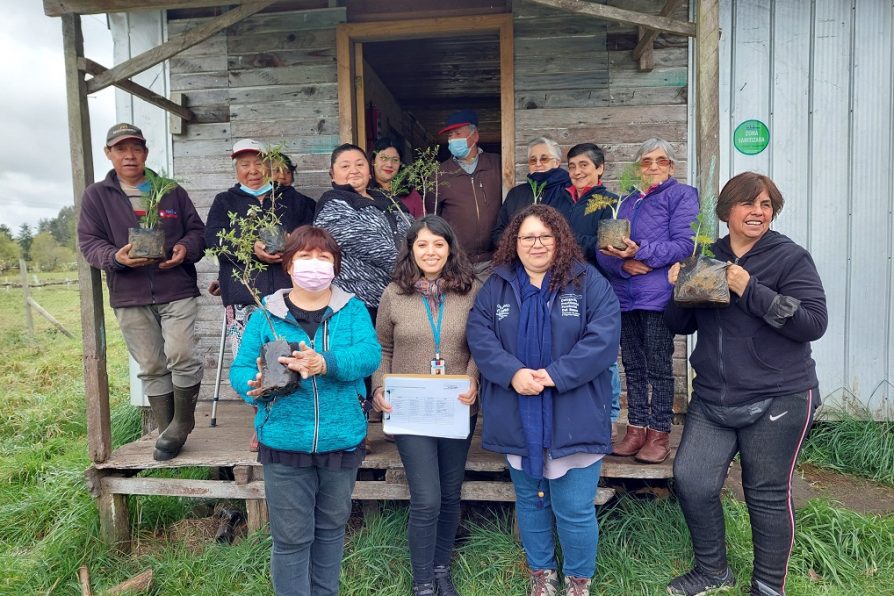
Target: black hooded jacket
<point>759,346</point>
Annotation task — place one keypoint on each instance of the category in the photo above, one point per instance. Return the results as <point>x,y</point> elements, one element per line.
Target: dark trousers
<point>435,469</point>
<point>309,508</point>
<point>647,347</point>
<point>769,449</point>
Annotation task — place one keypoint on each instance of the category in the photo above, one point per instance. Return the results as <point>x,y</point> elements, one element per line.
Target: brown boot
<point>655,450</point>
<point>632,442</point>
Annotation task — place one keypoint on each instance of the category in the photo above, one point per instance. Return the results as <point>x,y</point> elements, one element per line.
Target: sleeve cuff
<point>781,310</point>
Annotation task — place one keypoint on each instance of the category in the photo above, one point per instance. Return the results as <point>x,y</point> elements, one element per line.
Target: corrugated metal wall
<point>819,75</point>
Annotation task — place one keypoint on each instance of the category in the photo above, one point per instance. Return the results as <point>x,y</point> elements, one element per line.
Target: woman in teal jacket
<point>311,440</point>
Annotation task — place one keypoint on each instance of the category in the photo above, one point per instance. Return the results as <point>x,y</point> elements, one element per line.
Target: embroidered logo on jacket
<point>168,213</point>
<point>502,311</point>
<point>570,304</point>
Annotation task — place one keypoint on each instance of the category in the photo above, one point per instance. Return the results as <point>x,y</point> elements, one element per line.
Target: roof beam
<point>174,46</point>
<point>57,8</point>
<point>621,15</point>
<point>649,36</point>
<point>94,69</point>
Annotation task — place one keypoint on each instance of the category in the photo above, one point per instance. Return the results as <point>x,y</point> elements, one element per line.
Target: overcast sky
<point>35,167</point>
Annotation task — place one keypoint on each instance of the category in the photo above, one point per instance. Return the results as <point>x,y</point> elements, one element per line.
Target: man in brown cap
<point>155,301</point>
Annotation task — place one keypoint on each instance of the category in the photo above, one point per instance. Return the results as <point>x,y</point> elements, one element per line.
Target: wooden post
<point>707,103</point>
<point>96,381</point>
<point>255,509</point>
<point>26,294</point>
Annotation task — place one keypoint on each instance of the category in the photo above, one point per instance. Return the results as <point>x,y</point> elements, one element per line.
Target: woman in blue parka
<point>545,329</point>
<point>311,440</point>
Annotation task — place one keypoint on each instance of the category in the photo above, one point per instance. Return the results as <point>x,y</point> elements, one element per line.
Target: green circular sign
<point>751,137</point>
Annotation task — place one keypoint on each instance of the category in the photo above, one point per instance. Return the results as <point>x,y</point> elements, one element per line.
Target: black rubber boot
<point>171,441</point>
<point>162,407</point>
<point>443,582</point>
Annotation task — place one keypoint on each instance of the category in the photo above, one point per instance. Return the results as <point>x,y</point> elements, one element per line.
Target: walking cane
<point>220,357</point>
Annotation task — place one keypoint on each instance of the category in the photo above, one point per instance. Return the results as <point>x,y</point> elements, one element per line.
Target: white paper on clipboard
<point>426,405</point>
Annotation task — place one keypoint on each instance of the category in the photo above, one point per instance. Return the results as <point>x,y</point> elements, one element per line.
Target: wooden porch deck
<point>381,475</point>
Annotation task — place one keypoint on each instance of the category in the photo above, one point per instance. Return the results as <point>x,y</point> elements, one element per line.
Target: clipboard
<point>426,405</point>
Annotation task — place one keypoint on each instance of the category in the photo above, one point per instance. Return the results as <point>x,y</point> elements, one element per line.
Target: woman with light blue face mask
<point>254,187</point>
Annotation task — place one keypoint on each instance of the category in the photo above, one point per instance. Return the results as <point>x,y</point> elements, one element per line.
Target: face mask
<point>256,192</point>
<point>459,148</point>
<point>312,275</point>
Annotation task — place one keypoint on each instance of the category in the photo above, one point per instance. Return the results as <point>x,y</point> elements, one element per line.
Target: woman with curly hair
<point>433,281</point>
<point>544,330</point>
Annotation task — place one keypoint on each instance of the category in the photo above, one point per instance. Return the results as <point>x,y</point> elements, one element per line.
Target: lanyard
<point>435,331</point>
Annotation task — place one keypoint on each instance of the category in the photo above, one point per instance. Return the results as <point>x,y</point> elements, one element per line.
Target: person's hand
<point>178,255</point>
<point>214,288</point>
<point>265,256</point>
<point>524,383</point>
<point>471,395</point>
<point>380,404</point>
<point>737,278</point>
<point>542,377</point>
<point>673,273</point>
<point>305,361</point>
<point>257,382</point>
<point>627,253</point>
<point>634,267</point>
<point>121,257</point>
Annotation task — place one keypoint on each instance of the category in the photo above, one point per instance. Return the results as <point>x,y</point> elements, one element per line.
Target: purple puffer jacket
<point>660,224</point>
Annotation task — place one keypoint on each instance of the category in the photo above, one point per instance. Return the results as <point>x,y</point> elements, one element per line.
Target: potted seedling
<point>148,240</point>
<point>237,244</point>
<point>702,278</point>
<point>399,187</point>
<point>611,232</point>
<point>422,175</point>
<point>272,233</point>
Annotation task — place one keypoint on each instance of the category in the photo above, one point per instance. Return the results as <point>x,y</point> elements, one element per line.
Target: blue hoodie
<point>324,413</point>
<point>586,329</point>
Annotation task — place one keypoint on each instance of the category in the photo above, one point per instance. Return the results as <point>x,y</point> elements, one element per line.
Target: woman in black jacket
<point>755,388</point>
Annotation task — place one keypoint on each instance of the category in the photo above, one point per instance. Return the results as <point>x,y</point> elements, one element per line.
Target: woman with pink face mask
<point>311,440</point>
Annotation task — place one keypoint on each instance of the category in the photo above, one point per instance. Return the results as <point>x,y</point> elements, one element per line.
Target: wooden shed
<point>314,73</point>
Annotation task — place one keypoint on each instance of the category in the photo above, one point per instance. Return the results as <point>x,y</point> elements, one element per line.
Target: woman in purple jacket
<point>659,237</point>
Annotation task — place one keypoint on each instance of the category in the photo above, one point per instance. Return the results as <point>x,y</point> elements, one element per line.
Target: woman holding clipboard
<point>421,325</point>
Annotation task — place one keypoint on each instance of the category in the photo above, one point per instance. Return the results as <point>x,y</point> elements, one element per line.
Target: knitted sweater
<point>406,337</point>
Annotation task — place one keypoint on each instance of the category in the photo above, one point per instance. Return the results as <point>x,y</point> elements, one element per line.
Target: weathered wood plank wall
<point>271,77</point>
<point>576,81</point>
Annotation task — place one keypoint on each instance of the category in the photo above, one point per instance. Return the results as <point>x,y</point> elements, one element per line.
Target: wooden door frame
<point>351,36</point>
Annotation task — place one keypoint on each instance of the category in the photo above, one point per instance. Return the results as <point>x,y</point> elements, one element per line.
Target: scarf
<point>556,180</point>
<point>534,349</point>
<point>432,291</point>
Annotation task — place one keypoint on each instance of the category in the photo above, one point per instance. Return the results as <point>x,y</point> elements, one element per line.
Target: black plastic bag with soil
<point>702,283</point>
<point>274,239</point>
<point>146,243</point>
<point>612,232</point>
<point>278,379</point>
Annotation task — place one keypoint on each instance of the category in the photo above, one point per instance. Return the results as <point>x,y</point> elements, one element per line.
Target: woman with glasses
<point>544,330</point>
<point>386,160</point>
<point>660,235</point>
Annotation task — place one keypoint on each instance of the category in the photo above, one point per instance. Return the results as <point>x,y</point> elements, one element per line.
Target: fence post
<point>23,272</point>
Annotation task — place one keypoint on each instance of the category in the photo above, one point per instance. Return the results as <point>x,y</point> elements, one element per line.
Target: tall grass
<point>49,524</point>
<point>848,440</point>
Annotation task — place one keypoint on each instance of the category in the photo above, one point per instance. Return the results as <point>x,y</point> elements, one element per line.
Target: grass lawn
<point>49,524</point>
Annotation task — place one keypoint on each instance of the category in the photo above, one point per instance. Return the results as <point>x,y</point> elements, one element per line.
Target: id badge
<point>438,366</point>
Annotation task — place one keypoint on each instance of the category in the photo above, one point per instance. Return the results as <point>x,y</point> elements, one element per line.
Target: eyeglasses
<point>530,241</point>
<point>386,159</point>
<point>647,162</point>
<point>544,159</point>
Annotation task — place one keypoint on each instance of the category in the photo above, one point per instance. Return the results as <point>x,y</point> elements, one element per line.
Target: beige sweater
<point>407,341</point>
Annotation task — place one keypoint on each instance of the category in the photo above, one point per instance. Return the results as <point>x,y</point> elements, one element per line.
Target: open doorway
<point>403,78</point>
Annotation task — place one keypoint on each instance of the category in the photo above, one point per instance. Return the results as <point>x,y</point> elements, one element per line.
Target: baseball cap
<point>244,145</point>
<point>123,131</point>
<point>460,118</point>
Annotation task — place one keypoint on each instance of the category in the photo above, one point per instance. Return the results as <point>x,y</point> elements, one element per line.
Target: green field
<point>49,524</point>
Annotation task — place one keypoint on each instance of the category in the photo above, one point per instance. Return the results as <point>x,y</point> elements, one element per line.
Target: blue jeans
<point>568,506</point>
<point>768,448</point>
<point>308,509</point>
<point>435,470</point>
<point>616,392</point>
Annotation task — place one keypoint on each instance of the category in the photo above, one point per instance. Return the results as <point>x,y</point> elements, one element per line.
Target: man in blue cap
<point>470,190</point>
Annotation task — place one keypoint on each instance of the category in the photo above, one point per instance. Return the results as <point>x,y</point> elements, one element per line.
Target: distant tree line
<point>50,247</point>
